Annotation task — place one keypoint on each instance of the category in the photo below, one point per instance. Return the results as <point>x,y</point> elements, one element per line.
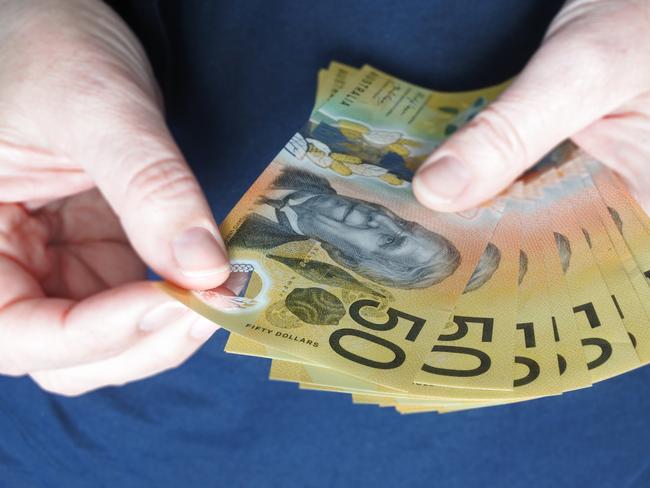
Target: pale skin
<point>92,185</point>
<point>589,81</point>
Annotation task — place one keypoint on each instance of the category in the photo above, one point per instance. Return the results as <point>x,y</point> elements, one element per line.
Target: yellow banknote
<point>628,217</point>
<point>237,344</point>
<point>475,349</point>
<point>626,282</point>
<point>389,104</point>
<point>622,277</point>
<point>331,80</point>
<point>607,346</point>
<point>572,364</point>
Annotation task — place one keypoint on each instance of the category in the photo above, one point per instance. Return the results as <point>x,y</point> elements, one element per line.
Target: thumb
<point>135,163</point>
<point>573,80</point>
<point>90,95</point>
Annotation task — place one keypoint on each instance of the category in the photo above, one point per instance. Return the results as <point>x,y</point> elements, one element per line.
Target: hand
<point>90,182</point>
<point>589,81</point>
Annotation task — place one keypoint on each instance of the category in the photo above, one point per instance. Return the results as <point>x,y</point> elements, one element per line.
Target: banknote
<point>348,285</point>
<point>387,103</point>
<point>580,361</point>
<point>382,128</point>
<point>571,360</point>
<point>536,366</point>
<point>558,260</point>
<point>608,249</point>
<point>475,349</point>
<point>607,262</point>
<point>625,213</point>
<point>330,80</point>
<point>347,273</point>
<point>237,344</point>
<point>606,344</point>
<point>532,366</point>
<point>537,370</point>
<point>626,282</point>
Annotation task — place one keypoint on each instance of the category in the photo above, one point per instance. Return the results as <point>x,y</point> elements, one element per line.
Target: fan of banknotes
<point>348,285</point>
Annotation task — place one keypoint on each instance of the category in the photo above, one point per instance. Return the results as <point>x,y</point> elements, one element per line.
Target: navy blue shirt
<point>239,79</point>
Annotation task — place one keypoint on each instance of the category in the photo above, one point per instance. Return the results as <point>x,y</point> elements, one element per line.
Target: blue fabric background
<point>239,78</point>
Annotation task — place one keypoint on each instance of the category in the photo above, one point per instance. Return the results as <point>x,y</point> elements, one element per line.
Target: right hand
<point>589,81</point>
<point>92,186</point>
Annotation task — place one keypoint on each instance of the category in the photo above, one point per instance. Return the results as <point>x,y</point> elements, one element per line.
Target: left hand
<point>92,187</point>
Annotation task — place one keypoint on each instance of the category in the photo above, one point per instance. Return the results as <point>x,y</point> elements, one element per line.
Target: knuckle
<point>502,136</point>
<point>160,182</point>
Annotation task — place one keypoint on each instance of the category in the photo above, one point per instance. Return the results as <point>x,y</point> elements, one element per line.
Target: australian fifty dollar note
<point>333,260</point>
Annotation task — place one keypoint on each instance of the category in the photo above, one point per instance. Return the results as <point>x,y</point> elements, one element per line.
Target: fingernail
<point>444,180</point>
<point>199,254</point>
<point>162,315</point>
<point>202,328</point>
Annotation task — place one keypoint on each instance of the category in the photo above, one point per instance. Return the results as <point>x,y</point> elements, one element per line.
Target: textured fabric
<point>239,79</point>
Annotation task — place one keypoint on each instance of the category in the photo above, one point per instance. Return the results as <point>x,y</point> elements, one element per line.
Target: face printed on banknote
<point>364,237</point>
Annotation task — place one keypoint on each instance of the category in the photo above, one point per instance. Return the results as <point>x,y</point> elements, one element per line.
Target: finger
<point>164,350</point>
<point>144,177</point>
<point>89,251</point>
<point>43,185</point>
<point>113,128</point>
<point>38,333</point>
<point>574,79</point>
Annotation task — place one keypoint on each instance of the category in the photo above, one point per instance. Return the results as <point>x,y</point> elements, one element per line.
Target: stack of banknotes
<point>349,285</point>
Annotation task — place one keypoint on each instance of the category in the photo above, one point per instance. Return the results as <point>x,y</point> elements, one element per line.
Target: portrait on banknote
<point>364,237</point>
